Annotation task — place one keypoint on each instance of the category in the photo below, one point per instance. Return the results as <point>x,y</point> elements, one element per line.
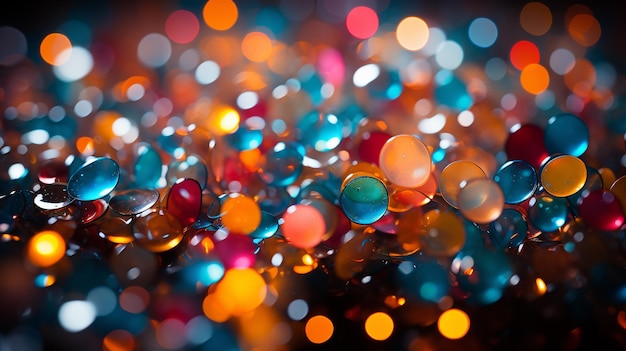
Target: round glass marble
<point>94,179</point>
<point>567,134</point>
<point>481,200</point>
<point>517,179</point>
<point>455,176</point>
<point>405,160</point>
<point>563,175</point>
<point>548,213</point>
<point>364,199</point>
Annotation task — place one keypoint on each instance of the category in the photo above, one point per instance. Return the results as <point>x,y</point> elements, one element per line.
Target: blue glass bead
<point>517,179</point>
<point>267,227</point>
<point>548,213</point>
<point>364,199</point>
<point>321,131</point>
<point>282,164</point>
<point>425,279</point>
<point>509,230</point>
<point>147,167</point>
<point>94,179</point>
<point>566,134</point>
<point>451,91</point>
<point>245,138</point>
<point>191,167</point>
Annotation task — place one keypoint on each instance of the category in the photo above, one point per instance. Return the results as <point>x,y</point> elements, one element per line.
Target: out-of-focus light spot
<point>119,340</point>
<point>241,291</point>
<point>433,124</point>
<point>247,100</point>
<point>14,46</point>
<point>83,108</point>
<point>17,171</point>
<point>85,145</point>
<point>154,50</point>
<point>36,136</point>
<point>46,248</point>
<point>495,68</point>
<point>223,120</point>
<point>581,78</point>
<point>584,29</point>
<point>198,330</point>
<point>379,326</point>
<point>536,18</point>
<point>44,280</point>
<point>77,66</point>
<point>523,53</point>
<point>56,113</point>
<point>508,101</point>
<point>417,73</point>
<point>534,78</point>
<point>104,299</point>
<point>76,315</point>
<point>220,14</point>
<point>436,36</point>
<point>171,334</point>
<point>256,46</point>
<point>365,75</point>
<point>449,55</point>
<point>541,286</point>
<point>465,118</point>
<point>331,66</point>
<point>134,299</point>
<point>453,324</point>
<point>297,309</point>
<point>562,61</point>
<point>55,49</point>
<point>189,59</point>
<point>182,26</point>
<point>545,100</point>
<point>319,329</point>
<point>483,32</point>
<point>121,126</point>
<point>412,33</point>
<point>207,72</point>
<point>606,75</point>
<point>362,22</point>
<point>214,310</point>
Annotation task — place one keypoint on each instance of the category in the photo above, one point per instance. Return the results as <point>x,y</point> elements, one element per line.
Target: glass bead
<point>148,167</point>
<point>116,228</point>
<point>509,230</point>
<point>157,230</point>
<point>133,201</point>
<point>240,213</point>
<point>364,199</point>
<point>95,179</point>
<point>53,172</point>
<point>481,200</point>
<point>405,161</point>
<point>321,131</point>
<point>267,228</point>
<point>527,144</point>
<point>455,176</point>
<point>91,210</point>
<point>191,167</point>
<point>282,164</point>
<point>601,210</point>
<point>303,226</point>
<point>517,179</point>
<point>563,175</point>
<point>443,233</point>
<point>548,213</point>
<point>244,138</point>
<point>566,134</point>
<point>52,196</point>
<point>184,201</point>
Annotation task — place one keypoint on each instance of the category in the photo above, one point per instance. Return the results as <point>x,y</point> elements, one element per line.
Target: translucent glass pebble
<point>53,172</point>
<point>443,234</point>
<point>94,179</point>
<point>244,138</point>
<point>566,134</point>
<point>267,227</point>
<point>147,167</point>
<point>91,210</point>
<point>405,160</point>
<point>364,199</point>
<point>52,196</point>
<point>133,201</point>
<point>508,230</point>
<point>184,201</point>
<point>526,143</point>
<point>282,164</point>
<point>601,210</point>
<point>455,176</point>
<point>240,213</point>
<point>303,226</point>
<point>548,213</point>
<point>321,131</point>
<point>191,167</point>
<point>115,228</point>
<point>481,200</point>
<point>563,175</point>
<point>157,230</point>
<point>517,179</point>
